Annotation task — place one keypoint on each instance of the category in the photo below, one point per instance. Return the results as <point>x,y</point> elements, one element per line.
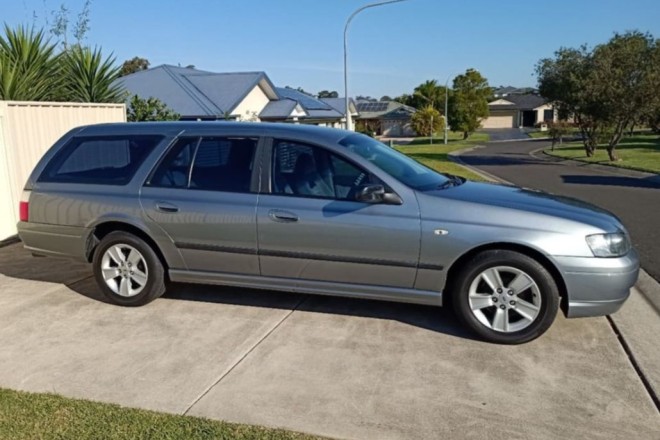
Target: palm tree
<point>29,66</point>
<point>90,78</point>
<point>430,93</point>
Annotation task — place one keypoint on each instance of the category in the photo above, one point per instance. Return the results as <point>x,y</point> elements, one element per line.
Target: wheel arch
<point>104,228</point>
<point>460,262</point>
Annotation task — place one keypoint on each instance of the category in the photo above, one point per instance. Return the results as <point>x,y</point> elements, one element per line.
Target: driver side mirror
<point>375,193</point>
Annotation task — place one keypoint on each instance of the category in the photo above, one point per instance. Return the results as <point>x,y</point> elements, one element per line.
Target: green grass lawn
<point>47,416</point>
<point>640,152</point>
<point>538,134</point>
<point>436,155</point>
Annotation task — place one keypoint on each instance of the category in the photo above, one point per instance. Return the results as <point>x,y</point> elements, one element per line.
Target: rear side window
<point>209,163</point>
<point>99,160</point>
<point>174,170</point>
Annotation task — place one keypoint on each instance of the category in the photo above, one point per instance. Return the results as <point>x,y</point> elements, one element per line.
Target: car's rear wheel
<point>128,270</point>
<point>506,297</point>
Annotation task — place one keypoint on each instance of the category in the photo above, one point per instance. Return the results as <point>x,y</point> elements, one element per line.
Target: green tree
<point>150,109</point>
<point>405,99</point>
<point>328,94</point>
<point>557,130</point>
<point>469,102</point>
<point>29,66</point>
<point>607,89</point>
<point>569,82</point>
<point>88,77</point>
<point>429,93</point>
<point>133,65</point>
<point>427,121</point>
<point>627,71</point>
<point>385,98</point>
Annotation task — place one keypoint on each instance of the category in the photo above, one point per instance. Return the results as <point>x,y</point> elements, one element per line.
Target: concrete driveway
<point>335,367</point>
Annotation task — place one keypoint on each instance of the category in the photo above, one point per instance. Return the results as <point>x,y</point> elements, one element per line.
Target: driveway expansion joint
<point>638,370</point>
<point>245,355</point>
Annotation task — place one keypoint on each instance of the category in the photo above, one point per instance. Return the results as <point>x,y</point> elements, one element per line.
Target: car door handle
<point>166,207</point>
<point>282,216</point>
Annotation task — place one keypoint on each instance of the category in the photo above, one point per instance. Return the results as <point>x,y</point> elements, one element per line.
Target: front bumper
<point>598,286</point>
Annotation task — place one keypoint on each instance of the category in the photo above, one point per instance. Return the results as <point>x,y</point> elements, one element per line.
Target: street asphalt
<point>634,198</point>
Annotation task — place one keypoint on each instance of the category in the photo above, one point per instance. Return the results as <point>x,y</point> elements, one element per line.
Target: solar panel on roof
<point>372,106</point>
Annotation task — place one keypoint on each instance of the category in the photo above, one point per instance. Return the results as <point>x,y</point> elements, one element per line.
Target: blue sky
<point>391,48</point>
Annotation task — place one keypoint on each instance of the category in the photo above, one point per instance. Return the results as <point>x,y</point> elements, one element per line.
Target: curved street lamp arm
<point>348,22</point>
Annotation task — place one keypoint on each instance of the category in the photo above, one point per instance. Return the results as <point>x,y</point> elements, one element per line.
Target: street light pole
<point>446,108</point>
<point>349,123</point>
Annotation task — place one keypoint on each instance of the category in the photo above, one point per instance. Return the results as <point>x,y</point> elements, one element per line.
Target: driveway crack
<point>245,355</point>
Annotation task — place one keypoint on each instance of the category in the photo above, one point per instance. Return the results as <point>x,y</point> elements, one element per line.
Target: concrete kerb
<point>607,169</point>
<point>455,156</point>
<point>646,284</point>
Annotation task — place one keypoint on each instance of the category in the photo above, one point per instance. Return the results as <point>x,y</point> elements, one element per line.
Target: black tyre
<point>505,297</point>
<point>128,270</point>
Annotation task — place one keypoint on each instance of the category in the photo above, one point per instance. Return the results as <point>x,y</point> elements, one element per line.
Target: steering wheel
<point>356,184</point>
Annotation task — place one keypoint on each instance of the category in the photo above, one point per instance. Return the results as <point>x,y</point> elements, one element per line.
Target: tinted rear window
<point>99,160</point>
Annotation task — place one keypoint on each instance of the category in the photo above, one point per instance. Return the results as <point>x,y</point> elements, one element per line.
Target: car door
<point>203,196</point>
<point>310,226</point>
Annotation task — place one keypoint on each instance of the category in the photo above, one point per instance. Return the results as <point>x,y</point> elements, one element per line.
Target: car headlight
<point>615,244</point>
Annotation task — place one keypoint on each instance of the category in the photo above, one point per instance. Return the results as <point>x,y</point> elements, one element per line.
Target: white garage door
<point>498,122</point>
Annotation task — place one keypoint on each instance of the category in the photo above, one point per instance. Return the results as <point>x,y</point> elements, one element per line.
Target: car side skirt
<point>382,293</point>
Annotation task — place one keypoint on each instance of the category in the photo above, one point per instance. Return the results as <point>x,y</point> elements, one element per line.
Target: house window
<point>549,115</point>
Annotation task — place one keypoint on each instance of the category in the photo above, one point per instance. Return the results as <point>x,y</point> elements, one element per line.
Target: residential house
<point>243,96</point>
<point>519,111</point>
<point>386,118</point>
<point>296,106</point>
<point>200,95</point>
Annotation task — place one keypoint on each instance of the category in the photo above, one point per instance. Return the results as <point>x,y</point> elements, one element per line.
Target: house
<point>518,111</point>
<point>200,95</point>
<point>242,96</point>
<point>296,106</point>
<point>386,118</point>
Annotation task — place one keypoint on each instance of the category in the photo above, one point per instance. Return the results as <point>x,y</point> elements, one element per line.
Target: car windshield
<point>396,164</point>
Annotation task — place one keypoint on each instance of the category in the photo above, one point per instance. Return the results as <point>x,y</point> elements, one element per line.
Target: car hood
<point>528,200</point>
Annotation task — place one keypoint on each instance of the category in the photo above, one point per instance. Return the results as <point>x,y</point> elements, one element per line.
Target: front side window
<point>397,165</point>
<point>110,160</point>
<point>309,171</point>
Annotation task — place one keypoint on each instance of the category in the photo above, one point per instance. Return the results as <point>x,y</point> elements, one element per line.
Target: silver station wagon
<point>321,211</point>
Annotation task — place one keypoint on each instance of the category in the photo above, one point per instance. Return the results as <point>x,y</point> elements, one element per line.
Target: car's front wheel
<point>506,297</point>
<point>128,270</point>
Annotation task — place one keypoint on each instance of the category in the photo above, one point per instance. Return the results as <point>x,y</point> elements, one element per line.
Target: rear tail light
<point>24,207</point>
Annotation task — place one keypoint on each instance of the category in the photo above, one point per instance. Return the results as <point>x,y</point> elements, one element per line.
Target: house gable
<point>501,102</point>
<point>251,105</point>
